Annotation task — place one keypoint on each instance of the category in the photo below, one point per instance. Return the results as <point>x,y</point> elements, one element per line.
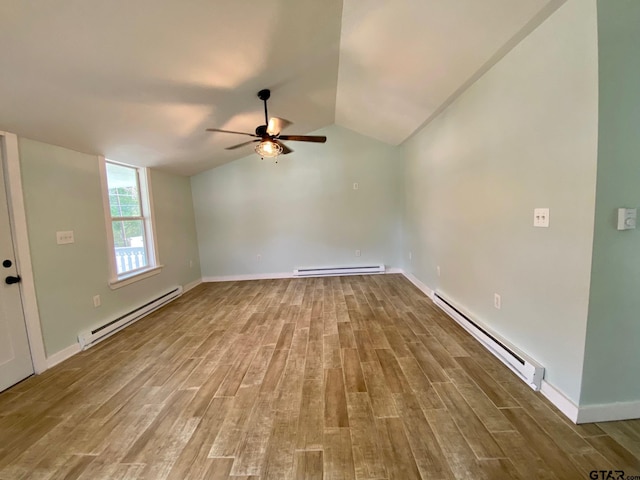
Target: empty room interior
<point>319,240</point>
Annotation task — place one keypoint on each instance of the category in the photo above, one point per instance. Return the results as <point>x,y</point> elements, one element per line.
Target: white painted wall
<point>303,211</point>
<point>523,136</point>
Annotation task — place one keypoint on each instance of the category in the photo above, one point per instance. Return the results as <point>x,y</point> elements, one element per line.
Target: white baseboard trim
<point>562,403</point>
<point>191,285</point>
<point>63,354</point>
<point>584,414</point>
<point>394,270</point>
<point>609,412</point>
<point>249,276</point>
<point>421,286</point>
<point>269,276</point>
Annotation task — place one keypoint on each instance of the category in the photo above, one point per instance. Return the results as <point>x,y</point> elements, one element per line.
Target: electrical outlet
<point>497,301</point>
<point>190,263</point>
<point>97,301</point>
<point>357,253</point>
<point>540,217</point>
<point>410,256</point>
<point>356,186</point>
<point>438,270</point>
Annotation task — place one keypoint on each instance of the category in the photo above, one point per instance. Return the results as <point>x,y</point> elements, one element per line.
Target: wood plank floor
<point>330,378</point>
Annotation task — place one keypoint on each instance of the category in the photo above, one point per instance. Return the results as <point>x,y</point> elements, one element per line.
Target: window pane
<point>124,197</point>
<point>129,242</point>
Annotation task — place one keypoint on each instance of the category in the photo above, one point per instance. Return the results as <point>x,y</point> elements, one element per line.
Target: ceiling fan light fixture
<point>268,149</point>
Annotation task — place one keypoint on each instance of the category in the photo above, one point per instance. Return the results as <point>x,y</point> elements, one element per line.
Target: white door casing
<point>15,355</point>
<point>14,228</point>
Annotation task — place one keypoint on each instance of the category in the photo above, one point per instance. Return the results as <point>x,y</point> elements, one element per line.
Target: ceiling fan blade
<point>276,125</point>
<point>285,149</point>
<point>241,144</point>
<point>230,131</point>
<point>304,138</point>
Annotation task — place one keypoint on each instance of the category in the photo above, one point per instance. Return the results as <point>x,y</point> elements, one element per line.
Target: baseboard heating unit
<point>93,336</point>
<point>526,368</point>
<point>336,271</point>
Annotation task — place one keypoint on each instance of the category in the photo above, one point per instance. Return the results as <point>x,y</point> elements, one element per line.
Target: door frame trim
<point>20,234</point>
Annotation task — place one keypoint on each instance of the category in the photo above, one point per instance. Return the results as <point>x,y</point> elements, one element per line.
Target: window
<point>129,223</point>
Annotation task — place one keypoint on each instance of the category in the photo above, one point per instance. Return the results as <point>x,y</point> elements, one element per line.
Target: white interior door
<point>15,356</point>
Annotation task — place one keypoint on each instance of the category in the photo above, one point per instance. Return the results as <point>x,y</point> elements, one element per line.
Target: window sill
<point>135,277</point>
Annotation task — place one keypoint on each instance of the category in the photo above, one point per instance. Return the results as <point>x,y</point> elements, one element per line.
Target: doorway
<point>15,354</point>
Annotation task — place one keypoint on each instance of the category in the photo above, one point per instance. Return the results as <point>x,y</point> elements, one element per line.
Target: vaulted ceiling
<point>140,81</point>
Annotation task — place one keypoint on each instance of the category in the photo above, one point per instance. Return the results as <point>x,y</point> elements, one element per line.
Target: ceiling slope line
<point>548,10</point>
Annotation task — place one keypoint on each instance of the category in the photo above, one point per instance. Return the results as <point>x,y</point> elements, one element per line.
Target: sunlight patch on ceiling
<point>400,61</point>
<point>141,81</point>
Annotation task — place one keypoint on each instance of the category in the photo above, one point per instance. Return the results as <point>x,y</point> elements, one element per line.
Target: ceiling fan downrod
<point>264,95</point>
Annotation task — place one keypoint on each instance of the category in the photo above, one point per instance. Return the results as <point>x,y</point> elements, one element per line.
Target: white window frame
<point>146,201</point>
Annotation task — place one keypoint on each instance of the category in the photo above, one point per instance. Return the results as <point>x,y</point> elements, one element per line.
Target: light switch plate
<point>65,237</point>
<point>627,218</point>
<point>540,217</point>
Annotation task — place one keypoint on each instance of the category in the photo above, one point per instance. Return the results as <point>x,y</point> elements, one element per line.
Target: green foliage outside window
<point>125,202</point>
<point>125,230</point>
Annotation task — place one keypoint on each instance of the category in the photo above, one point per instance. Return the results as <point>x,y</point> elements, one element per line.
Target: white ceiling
<point>139,81</point>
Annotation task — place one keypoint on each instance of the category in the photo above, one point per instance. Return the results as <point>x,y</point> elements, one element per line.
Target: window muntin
<point>129,216</point>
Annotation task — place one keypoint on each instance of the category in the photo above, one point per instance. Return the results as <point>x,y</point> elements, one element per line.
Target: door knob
<point>7,263</point>
<point>10,280</point>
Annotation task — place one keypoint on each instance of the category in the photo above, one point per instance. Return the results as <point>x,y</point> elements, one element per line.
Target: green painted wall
<point>62,192</point>
<point>613,330</point>
<point>523,136</point>
<point>303,211</point>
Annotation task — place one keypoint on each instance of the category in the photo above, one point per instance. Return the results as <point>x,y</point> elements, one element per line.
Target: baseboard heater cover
<point>521,364</point>
<point>336,271</point>
<point>96,334</point>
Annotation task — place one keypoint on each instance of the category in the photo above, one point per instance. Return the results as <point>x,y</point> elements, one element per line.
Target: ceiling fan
<point>269,138</point>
